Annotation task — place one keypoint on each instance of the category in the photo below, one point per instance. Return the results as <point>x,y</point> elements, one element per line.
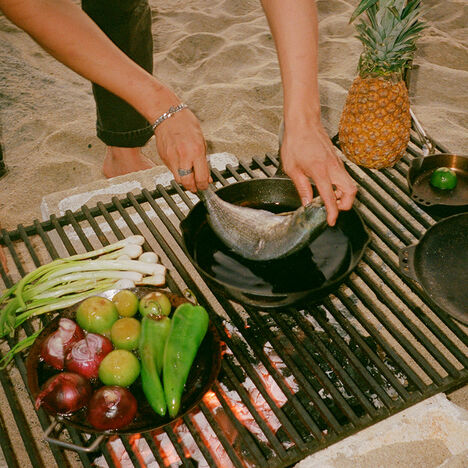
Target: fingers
<point>333,183</point>
<point>303,187</point>
<point>346,189</point>
<point>346,199</point>
<point>327,193</point>
<point>325,190</point>
<point>188,181</point>
<point>193,171</point>
<point>182,148</point>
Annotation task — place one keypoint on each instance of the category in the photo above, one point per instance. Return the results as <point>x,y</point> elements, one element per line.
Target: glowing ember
<point>224,424</point>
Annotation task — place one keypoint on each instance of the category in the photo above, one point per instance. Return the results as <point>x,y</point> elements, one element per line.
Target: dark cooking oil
<point>324,259</point>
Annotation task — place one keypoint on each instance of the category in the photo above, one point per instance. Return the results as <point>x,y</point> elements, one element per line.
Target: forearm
<point>68,34</point>
<point>294,26</point>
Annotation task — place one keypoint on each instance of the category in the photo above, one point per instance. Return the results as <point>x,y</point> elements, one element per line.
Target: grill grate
<point>292,381</point>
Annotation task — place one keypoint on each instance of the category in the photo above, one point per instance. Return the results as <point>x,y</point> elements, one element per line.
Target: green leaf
<point>21,346</point>
<point>363,6</point>
<point>411,6</point>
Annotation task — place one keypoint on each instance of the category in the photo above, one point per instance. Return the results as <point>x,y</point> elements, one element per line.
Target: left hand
<point>307,152</point>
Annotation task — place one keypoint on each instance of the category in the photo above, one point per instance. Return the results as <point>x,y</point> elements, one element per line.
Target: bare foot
<point>119,161</point>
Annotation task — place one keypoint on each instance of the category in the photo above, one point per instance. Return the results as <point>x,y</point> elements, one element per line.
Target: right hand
<point>181,145</point>
<point>307,152</point>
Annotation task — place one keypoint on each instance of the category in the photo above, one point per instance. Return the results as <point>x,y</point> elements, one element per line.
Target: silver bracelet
<point>172,110</point>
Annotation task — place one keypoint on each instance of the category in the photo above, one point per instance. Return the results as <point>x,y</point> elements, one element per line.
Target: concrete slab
<point>103,190</point>
<point>430,434</point>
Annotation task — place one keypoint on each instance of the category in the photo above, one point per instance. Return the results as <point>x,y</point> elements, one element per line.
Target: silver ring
<point>184,172</point>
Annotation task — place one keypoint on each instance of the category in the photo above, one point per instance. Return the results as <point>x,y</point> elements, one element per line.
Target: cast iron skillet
<point>308,275</point>
<point>438,262</point>
<point>421,169</point>
<point>202,375</point>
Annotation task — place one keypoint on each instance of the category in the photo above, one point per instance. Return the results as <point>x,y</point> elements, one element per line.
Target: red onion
<point>57,344</point>
<point>86,355</point>
<point>111,407</point>
<point>64,393</point>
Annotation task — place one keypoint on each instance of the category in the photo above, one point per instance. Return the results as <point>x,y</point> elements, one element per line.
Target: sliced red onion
<point>57,344</point>
<point>86,355</point>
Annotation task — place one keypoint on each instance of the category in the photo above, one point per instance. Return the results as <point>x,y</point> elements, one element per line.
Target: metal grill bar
<point>248,443</point>
<point>374,358</point>
<point>7,446</point>
<point>308,388</point>
<point>154,449</point>
<point>272,439</point>
<point>336,366</point>
<point>344,348</point>
<point>364,353</point>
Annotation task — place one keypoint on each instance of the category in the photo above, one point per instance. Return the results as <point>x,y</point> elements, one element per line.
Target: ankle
<point>117,152</point>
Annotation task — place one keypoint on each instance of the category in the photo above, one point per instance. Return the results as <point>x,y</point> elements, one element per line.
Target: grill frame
<point>347,314</point>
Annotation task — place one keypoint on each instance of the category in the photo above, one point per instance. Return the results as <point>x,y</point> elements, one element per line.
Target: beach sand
<point>221,60</point>
<point>219,57</point>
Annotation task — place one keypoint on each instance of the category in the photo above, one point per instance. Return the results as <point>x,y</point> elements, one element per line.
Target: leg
<point>128,24</point>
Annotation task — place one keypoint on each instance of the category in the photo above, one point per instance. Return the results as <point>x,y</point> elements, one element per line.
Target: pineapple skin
<point>375,124</point>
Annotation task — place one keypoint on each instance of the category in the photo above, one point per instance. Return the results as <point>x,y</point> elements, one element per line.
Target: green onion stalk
<point>66,281</point>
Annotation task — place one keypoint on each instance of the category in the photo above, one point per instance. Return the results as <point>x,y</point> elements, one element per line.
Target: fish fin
<point>317,201</point>
<point>260,245</point>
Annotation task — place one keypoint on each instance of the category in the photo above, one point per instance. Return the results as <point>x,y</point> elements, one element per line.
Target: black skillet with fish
<point>307,274</point>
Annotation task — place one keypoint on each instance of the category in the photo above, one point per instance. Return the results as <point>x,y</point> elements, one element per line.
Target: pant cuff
<point>130,139</point>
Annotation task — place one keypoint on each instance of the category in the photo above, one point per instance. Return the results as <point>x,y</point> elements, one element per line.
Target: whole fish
<point>258,234</point>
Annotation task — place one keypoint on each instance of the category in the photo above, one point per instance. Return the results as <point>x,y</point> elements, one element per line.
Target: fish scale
<point>258,234</point>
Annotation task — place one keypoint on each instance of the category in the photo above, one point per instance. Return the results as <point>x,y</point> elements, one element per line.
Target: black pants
<point>128,24</point>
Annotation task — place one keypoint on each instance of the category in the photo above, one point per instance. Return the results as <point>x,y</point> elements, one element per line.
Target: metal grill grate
<point>292,381</point>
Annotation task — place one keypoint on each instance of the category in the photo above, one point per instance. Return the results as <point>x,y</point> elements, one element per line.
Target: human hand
<point>181,146</point>
<point>307,151</point>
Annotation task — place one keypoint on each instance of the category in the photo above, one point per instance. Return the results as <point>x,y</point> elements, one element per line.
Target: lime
<point>444,178</point>
<point>119,367</point>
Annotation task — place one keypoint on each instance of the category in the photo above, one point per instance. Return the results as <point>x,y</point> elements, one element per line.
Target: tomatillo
<point>444,178</point>
<point>119,367</point>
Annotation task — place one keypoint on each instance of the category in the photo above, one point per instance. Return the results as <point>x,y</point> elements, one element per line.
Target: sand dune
<point>219,56</point>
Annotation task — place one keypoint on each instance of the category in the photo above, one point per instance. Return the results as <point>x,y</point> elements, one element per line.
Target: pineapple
<point>375,124</point>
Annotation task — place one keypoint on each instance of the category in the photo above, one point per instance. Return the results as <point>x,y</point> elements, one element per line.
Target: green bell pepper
<point>188,328</point>
<point>154,333</point>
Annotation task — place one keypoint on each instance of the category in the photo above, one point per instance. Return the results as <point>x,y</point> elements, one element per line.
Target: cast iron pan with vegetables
<point>203,373</point>
<point>438,262</point>
<point>309,274</point>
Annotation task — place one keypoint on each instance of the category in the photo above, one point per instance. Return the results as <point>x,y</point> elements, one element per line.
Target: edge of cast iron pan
<point>268,190</point>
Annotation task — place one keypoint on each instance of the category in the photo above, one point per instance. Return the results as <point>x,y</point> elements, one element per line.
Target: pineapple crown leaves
<point>389,35</point>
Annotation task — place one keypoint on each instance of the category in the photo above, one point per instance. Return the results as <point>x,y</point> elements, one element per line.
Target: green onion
<point>66,281</point>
